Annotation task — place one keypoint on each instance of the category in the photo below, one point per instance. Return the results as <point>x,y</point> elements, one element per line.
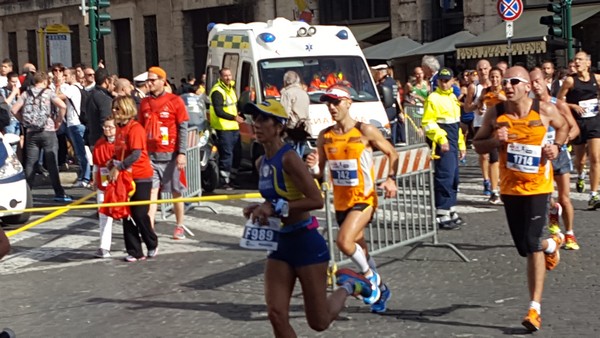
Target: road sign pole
<point>569,31</point>
<point>93,33</point>
<point>509,35</point>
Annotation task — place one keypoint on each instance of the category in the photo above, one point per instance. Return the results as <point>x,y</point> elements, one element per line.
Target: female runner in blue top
<point>290,194</point>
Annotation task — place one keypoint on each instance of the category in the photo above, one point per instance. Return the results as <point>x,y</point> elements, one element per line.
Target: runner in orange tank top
<point>518,129</point>
<point>348,146</point>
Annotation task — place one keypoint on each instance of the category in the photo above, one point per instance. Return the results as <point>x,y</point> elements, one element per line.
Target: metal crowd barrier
<point>192,175</point>
<point>414,133</point>
<point>407,219</point>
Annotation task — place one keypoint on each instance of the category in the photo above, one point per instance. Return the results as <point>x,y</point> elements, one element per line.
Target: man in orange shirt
<point>166,119</point>
<point>518,128</point>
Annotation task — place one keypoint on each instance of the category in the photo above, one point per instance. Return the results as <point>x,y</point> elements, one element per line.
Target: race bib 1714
<point>524,157</point>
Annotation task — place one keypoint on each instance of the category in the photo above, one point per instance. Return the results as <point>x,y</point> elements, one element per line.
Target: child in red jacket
<point>103,153</point>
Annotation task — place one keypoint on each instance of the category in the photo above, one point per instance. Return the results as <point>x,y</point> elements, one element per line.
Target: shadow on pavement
<point>227,277</point>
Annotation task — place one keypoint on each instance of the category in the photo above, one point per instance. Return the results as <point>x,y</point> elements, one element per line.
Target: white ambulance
<point>259,53</point>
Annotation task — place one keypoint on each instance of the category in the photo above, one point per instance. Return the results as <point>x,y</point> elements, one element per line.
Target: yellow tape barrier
<point>61,209</point>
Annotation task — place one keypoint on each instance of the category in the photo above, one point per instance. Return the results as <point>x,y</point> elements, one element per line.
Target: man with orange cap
<point>165,118</point>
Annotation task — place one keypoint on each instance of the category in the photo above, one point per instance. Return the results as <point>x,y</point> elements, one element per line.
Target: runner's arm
<point>486,138</point>
<point>313,200</point>
<point>564,110</point>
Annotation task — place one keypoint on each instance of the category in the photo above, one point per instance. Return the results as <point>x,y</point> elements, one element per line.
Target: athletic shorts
<point>589,128</point>
<point>340,216</point>
<point>167,177</point>
<point>301,247</point>
<point>562,164</point>
<point>527,217</point>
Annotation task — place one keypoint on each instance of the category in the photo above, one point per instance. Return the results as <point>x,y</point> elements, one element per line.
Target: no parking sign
<point>510,10</point>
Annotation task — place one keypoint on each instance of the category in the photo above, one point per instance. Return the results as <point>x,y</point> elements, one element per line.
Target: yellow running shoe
<point>552,259</point>
<point>554,216</point>
<point>532,321</point>
<point>571,243</point>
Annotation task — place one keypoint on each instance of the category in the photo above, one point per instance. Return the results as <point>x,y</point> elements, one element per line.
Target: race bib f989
<point>524,157</point>
<point>261,237</point>
<point>344,172</point>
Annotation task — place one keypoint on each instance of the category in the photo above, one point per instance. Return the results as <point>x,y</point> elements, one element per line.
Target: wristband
<point>314,170</point>
<point>281,208</point>
<point>393,177</point>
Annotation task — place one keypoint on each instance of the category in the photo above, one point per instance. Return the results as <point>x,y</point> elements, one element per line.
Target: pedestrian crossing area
<point>70,241</point>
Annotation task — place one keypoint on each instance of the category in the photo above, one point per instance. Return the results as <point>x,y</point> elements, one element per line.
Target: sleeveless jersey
<point>273,182</point>
<point>523,170</point>
<point>584,94</point>
<point>351,167</point>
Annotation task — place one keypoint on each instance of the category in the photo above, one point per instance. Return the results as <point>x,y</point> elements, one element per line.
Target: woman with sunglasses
<point>131,157</point>
<point>290,194</point>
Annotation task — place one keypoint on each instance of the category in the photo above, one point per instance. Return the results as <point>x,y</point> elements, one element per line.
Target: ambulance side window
<point>231,61</point>
<point>212,75</point>
<point>248,92</point>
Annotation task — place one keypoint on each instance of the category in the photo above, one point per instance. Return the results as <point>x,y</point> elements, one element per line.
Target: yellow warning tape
<point>61,210</point>
<point>77,205</point>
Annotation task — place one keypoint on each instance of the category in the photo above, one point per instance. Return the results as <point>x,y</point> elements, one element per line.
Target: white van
<point>259,54</point>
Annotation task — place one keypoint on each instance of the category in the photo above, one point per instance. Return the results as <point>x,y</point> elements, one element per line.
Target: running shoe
<point>375,280</point>
<point>580,185</point>
<point>594,202</point>
<point>571,242</point>
<point>495,199</point>
<point>63,198</point>
<point>532,321</point>
<point>102,253</point>
<point>81,184</point>
<point>487,188</point>
<point>554,217</point>
<point>552,259</point>
<point>360,284</point>
<point>152,253</point>
<point>380,305</point>
<point>178,233</point>
<point>132,259</point>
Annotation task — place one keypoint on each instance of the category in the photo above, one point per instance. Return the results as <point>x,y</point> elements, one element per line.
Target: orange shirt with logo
<point>351,167</point>
<point>129,138</point>
<point>523,169</point>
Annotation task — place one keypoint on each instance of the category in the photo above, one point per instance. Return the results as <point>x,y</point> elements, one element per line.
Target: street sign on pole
<point>510,10</point>
<point>509,29</point>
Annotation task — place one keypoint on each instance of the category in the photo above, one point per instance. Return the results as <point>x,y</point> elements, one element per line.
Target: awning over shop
<point>529,35</point>
<point>390,49</point>
<point>362,32</point>
<point>440,46</point>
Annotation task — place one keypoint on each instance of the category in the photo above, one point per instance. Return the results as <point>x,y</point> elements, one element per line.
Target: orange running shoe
<point>571,242</point>
<point>532,321</point>
<point>552,259</point>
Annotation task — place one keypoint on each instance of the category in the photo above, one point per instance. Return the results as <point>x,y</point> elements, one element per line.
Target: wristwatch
<point>282,208</point>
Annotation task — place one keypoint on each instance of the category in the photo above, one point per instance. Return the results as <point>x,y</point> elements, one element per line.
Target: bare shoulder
<point>547,108</point>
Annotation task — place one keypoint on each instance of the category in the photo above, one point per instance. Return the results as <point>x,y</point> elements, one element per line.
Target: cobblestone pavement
<point>206,286</point>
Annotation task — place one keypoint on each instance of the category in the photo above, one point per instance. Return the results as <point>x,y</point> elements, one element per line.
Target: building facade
<point>173,34</point>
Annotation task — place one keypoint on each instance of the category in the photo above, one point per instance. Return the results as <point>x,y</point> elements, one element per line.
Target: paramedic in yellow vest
<point>441,122</point>
<point>348,146</point>
<point>225,120</point>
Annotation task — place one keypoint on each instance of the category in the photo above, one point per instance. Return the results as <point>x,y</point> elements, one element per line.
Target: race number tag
<point>590,108</point>
<point>261,237</point>
<point>164,136</point>
<point>524,157</point>
<point>344,172</point>
<point>104,176</point>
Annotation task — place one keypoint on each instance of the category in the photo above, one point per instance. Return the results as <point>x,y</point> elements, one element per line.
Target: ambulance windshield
<point>317,74</point>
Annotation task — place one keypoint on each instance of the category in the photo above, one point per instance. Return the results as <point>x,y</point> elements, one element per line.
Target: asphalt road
<point>207,286</point>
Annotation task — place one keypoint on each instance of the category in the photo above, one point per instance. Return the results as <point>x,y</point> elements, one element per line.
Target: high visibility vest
<point>229,106</point>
